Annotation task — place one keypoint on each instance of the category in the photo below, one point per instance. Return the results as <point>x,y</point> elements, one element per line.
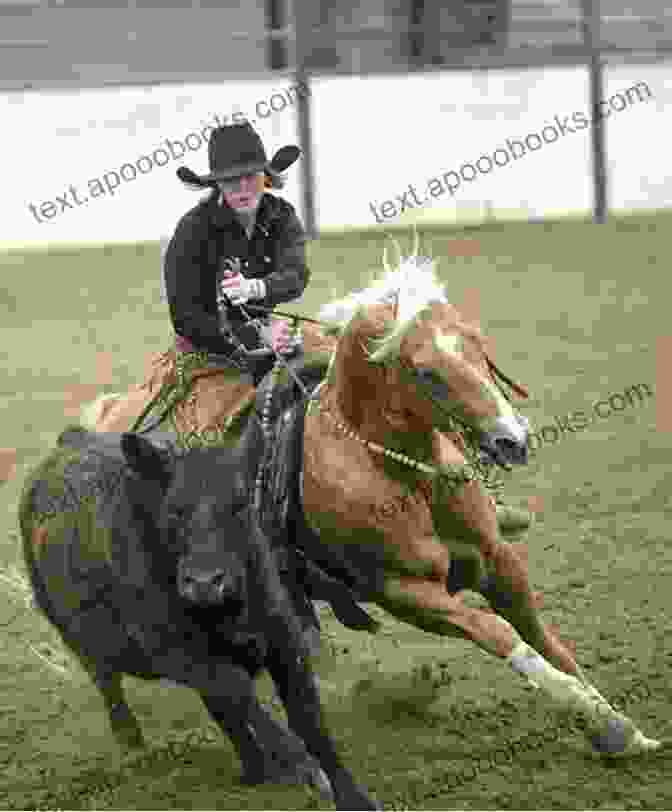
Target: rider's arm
<point>184,289</point>
<point>292,276</point>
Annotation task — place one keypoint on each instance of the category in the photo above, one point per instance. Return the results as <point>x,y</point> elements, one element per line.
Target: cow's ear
<point>146,459</point>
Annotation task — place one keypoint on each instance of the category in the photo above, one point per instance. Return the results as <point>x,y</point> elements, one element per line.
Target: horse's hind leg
<point>125,727</point>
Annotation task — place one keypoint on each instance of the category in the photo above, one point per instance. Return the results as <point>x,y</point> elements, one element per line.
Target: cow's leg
<point>268,751</point>
<point>291,672</point>
<point>228,689</point>
<point>124,725</point>
<point>228,692</point>
<point>292,572</point>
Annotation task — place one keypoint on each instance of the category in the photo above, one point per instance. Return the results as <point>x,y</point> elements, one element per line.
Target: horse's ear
<point>146,459</point>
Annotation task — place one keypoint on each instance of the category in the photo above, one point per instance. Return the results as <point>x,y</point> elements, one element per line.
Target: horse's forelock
<point>411,286</point>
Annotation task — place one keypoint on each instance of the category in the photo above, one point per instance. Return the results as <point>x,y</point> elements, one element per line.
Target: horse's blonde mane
<point>413,285</point>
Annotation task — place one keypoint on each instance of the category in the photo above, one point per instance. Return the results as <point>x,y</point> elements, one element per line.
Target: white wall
<point>373,136</point>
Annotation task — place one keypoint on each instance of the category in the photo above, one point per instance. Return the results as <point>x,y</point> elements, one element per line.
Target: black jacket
<point>204,239</point>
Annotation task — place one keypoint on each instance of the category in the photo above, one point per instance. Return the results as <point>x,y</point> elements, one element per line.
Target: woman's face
<point>244,192</point>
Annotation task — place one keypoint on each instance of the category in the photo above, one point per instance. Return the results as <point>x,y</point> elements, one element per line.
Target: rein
<point>283,315</point>
<point>498,376</point>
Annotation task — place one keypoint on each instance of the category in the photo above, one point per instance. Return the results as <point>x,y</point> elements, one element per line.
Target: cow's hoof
<point>306,772</point>
<point>126,729</point>
<point>315,777</point>
<point>359,799</point>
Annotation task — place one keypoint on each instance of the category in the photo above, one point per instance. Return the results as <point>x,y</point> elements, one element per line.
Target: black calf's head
<point>202,527</point>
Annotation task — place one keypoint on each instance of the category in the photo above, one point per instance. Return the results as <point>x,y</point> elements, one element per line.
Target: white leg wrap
<point>611,733</point>
<point>564,688</point>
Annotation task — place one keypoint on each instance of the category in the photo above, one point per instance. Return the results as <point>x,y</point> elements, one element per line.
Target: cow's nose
<point>211,588</point>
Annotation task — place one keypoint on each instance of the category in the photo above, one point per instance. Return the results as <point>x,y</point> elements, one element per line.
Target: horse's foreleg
<point>508,592</point>
<point>469,515</point>
<point>426,604</point>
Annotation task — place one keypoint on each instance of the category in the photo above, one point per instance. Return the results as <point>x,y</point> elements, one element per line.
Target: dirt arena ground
<point>580,314</point>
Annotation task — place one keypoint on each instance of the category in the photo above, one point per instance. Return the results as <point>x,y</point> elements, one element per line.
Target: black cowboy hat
<point>237,149</point>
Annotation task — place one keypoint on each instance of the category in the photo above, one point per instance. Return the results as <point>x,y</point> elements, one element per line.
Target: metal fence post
<point>303,40</point>
<point>276,16</point>
<point>592,41</point>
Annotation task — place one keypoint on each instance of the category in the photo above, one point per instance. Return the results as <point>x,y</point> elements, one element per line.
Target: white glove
<point>239,290</point>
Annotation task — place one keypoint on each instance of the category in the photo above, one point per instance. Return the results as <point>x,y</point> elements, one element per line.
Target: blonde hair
<point>273,180</point>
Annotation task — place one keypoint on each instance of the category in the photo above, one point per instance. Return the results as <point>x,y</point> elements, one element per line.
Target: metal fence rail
<point>528,41</point>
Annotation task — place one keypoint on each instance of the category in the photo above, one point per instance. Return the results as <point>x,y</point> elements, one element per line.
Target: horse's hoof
<point>622,739</point>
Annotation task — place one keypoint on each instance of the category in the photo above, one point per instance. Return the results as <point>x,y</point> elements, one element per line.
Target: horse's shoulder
<point>335,475</point>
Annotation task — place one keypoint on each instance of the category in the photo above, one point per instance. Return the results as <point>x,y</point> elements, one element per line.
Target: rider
<point>239,245</point>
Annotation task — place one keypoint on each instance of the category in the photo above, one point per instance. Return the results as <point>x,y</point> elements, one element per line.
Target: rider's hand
<point>239,290</point>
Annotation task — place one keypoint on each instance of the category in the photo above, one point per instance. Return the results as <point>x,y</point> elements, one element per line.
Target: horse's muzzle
<point>507,445</point>
<point>512,452</point>
<point>503,451</point>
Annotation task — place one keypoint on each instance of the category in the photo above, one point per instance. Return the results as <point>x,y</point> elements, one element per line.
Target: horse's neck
<point>378,425</point>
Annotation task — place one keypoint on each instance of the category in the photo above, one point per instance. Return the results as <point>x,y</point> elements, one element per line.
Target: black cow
<point>147,566</point>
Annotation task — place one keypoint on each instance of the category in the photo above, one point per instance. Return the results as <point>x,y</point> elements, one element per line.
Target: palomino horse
<point>387,496</point>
